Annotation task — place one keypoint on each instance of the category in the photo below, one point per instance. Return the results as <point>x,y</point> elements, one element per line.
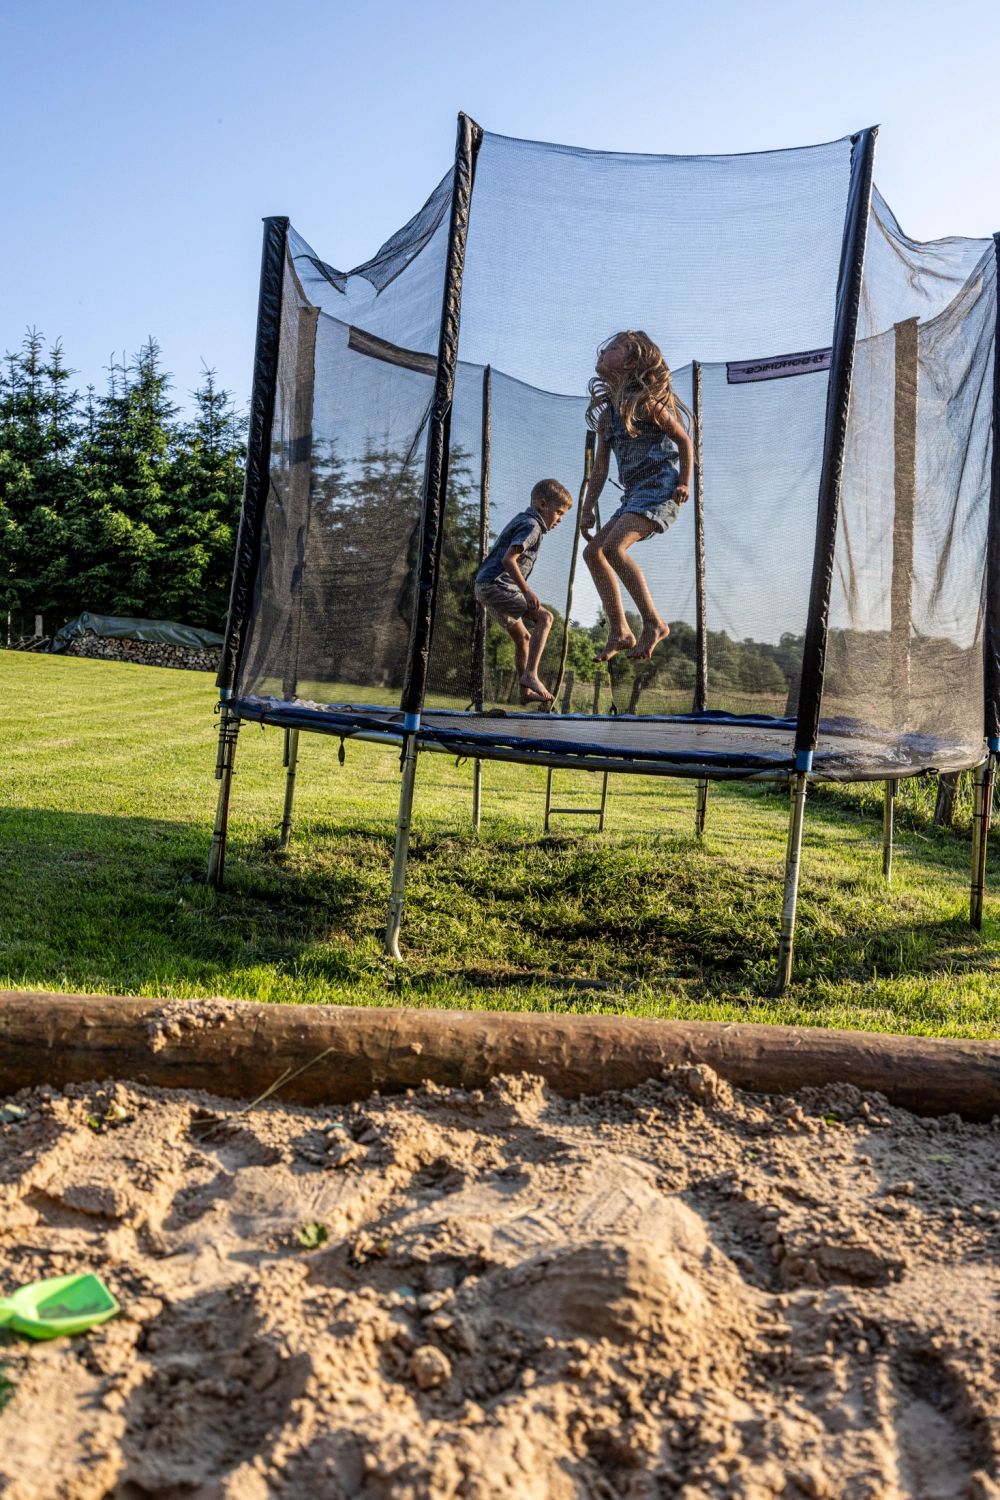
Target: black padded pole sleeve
<point>991,624</point>
<point>838,401</point>
<point>255,484</point>
<point>701,627</point>
<point>479,635</point>
<point>470,137</point>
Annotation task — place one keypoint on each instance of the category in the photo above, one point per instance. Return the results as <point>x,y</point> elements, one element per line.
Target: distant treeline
<point>114,503</point>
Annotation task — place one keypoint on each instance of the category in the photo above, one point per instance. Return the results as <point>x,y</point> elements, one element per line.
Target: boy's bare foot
<point>651,637</point>
<point>533,690</point>
<point>617,643</point>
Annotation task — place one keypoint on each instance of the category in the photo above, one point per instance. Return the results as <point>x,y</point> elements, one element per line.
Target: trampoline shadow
<point>120,903</point>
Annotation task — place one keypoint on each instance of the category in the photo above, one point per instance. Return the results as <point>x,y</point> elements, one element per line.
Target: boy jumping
<point>502,583</point>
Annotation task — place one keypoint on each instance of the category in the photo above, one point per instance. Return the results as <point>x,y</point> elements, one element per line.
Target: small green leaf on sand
<point>940,1158</point>
<point>313,1235</point>
<point>93,1122</point>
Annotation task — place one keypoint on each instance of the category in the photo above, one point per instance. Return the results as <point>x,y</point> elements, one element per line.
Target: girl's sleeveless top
<point>642,459</point>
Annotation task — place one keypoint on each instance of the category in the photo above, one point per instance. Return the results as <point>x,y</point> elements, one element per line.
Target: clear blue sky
<point>142,143</point>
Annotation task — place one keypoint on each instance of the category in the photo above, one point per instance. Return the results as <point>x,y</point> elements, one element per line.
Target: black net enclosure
<point>828,586</point>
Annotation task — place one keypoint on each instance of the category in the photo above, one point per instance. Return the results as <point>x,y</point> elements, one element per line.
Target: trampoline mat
<point>715,745</point>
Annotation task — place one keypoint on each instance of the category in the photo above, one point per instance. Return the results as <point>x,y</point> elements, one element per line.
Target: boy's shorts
<point>503,597</point>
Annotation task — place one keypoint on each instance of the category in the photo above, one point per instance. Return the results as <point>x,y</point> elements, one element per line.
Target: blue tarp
<point>118,627</point>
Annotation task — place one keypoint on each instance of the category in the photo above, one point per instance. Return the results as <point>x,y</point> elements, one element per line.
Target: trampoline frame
<point>413,736</point>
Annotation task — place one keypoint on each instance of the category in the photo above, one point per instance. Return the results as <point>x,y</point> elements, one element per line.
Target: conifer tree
<point>114,504</point>
<point>39,430</point>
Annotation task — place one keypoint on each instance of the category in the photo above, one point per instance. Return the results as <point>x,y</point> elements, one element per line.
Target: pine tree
<point>39,430</point>
<point>126,459</point>
<point>195,544</point>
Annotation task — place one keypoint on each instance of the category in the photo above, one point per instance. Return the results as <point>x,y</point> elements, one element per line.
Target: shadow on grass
<point>120,903</point>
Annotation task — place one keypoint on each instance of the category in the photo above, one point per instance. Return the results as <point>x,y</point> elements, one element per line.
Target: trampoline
<point>845,500</point>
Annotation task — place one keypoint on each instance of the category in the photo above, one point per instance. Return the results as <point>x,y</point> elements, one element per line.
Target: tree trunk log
<point>236,1049</point>
<point>944,807</point>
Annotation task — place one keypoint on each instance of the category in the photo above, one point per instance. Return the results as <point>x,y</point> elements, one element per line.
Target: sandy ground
<point>673,1291</point>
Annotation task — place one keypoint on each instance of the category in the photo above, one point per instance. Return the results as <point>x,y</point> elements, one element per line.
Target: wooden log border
<point>236,1049</point>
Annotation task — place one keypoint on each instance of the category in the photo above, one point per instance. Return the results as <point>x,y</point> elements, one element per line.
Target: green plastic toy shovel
<point>62,1305</point>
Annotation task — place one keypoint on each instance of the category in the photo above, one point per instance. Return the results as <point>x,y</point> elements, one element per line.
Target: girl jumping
<point>638,417</point>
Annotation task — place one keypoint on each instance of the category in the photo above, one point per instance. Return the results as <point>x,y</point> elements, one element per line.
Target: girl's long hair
<point>646,380</point>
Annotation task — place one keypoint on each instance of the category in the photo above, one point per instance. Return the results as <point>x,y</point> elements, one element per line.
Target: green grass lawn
<point>106,805</point>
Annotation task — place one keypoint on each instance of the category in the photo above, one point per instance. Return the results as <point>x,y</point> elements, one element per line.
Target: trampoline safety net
<point>735,266</point>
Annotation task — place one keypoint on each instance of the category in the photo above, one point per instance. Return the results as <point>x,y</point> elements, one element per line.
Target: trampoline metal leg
<point>792,861</point>
<point>229,728</point>
<point>700,808</point>
<point>477,794</point>
<point>291,761</point>
<point>548,797</point>
<point>604,803</point>
<point>402,849</point>
<point>980,838</point>
<point>888,807</point>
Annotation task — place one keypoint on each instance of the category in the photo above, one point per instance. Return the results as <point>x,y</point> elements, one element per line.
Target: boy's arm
<point>513,571</point>
<point>598,477</point>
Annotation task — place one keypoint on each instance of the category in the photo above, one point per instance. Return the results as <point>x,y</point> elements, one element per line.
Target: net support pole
<point>402,848</point>
<point>904,496</point>
<point>255,487</point>
<point>229,728</point>
<point>888,809</point>
<point>299,479</point>
<point>838,402</point>
<point>793,855</point>
<point>700,807</point>
<point>291,760</point>
<point>479,635</point>
<point>588,469</point>
<point>256,480</point>
<point>435,493</point>
<point>477,794</point>
<point>838,405</point>
<point>436,466</point>
<point>604,804</point>
<point>991,637</point>
<point>701,630</point>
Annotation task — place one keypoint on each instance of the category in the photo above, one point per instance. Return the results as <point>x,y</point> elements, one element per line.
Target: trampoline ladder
<point>583,812</point>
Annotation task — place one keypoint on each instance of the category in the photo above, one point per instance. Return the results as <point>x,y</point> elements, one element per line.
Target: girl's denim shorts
<point>654,501</point>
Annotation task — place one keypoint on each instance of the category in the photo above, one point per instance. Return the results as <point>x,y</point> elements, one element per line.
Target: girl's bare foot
<point>617,643</point>
<point>654,631</point>
<point>533,690</point>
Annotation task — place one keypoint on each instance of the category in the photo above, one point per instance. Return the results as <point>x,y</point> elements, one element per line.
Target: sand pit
<point>673,1291</point>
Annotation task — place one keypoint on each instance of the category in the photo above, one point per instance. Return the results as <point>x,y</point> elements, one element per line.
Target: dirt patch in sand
<point>674,1291</point>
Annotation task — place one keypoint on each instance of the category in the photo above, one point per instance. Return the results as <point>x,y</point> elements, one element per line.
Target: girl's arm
<point>685,448</point>
<point>598,477</point>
